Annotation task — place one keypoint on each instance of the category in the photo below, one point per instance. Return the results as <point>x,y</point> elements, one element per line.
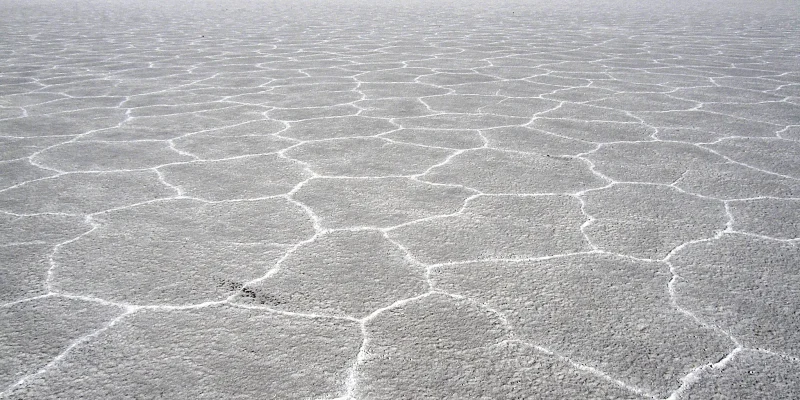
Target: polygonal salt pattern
<point>108,156</point>
<point>35,332</point>
<point>751,375</point>
<point>21,171</point>
<point>83,192</point>
<point>654,162</point>
<point>720,123</point>
<point>68,123</point>
<point>776,218</point>
<point>213,147</point>
<point>328,128</point>
<point>774,155</point>
<point>525,139</point>
<point>379,203</point>
<point>15,148</point>
<point>649,221</point>
<point>23,271</point>
<point>367,157</point>
<point>498,227</point>
<point>245,177</point>
<point>436,358</point>
<point>497,171</point>
<point>341,273</point>
<point>458,139</point>
<point>333,200</point>
<point>190,354</point>
<point>196,247</point>
<point>594,131</point>
<point>736,181</point>
<point>605,312</point>
<point>747,286</point>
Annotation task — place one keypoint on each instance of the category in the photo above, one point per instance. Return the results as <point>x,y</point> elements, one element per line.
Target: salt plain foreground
<point>354,200</point>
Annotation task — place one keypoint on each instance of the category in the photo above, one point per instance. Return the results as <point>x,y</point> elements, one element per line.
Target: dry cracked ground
<point>367,200</point>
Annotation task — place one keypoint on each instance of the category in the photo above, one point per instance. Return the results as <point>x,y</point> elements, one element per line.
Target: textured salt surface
<point>368,200</point>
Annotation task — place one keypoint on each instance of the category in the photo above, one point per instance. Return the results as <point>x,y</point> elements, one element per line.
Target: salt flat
<point>426,200</point>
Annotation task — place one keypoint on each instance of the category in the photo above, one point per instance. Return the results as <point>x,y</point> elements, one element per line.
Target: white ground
<point>360,200</point>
